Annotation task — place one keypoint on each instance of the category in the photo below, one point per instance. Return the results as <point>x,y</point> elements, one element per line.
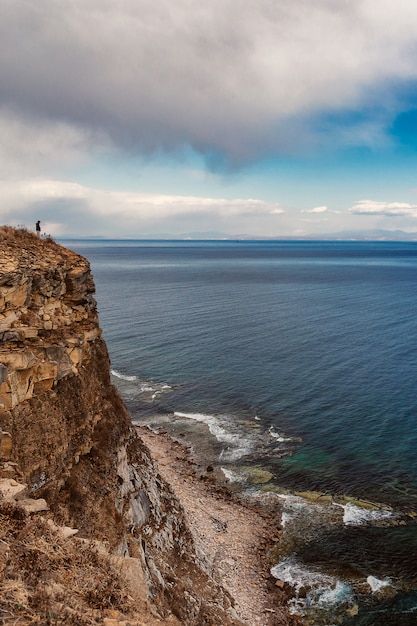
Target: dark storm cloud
<point>234,80</point>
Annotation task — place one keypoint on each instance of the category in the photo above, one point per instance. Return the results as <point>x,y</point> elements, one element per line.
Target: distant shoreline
<point>343,238</point>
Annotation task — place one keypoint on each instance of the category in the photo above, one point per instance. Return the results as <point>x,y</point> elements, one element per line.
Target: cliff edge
<point>90,533</point>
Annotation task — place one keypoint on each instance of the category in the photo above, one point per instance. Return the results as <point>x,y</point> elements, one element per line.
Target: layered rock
<point>66,434</point>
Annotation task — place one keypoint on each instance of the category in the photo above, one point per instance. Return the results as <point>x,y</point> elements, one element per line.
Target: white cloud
<point>387,209</point>
<point>317,209</point>
<point>70,207</point>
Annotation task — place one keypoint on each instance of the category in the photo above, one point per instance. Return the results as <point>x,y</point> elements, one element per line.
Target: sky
<point>147,118</point>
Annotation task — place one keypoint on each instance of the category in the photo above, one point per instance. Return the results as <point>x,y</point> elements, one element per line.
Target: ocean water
<point>294,362</point>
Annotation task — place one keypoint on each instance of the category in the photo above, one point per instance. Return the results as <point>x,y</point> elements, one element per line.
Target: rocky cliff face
<point>66,434</point>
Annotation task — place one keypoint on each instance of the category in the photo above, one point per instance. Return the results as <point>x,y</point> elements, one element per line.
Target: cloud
<point>317,209</point>
<point>67,207</point>
<point>387,209</point>
<point>234,84</point>
<point>28,148</point>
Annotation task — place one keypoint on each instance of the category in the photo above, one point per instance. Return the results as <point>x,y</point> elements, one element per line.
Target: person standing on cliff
<point>38,228</point>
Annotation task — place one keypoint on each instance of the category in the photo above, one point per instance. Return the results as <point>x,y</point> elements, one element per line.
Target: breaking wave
<point>135,388</point>
<point>312,589</point>
<point>123,376</point>
<point>358,516</point>
<point>237,444</point>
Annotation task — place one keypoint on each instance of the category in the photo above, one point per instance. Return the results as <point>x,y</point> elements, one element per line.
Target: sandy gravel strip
<point>233,537</point>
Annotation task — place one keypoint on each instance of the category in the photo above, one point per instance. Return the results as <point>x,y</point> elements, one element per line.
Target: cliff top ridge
<point>23,250</point>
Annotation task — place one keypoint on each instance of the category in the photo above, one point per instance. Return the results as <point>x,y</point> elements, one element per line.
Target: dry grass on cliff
<point>20,235</point>
<point>45,579</point>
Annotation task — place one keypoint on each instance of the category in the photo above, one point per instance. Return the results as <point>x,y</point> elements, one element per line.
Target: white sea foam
<point>357,516</point>
<point>377,584</point>
<point>161,389</point>
<point>148,389</point>
<point>237,445</point>
<point>213,424</point>
<point>123,376</point>
<point>300,577</point>
<point>278,436</point>
<point>232,477</point>
<point>293,507</point>
<point>297,575</point>
<point>336,595</point>
<point>322,590</point>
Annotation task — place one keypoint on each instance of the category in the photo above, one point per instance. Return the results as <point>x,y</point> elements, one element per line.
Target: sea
<point>290,368</point>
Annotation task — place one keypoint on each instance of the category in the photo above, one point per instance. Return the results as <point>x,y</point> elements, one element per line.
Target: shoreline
<point>235,538</point>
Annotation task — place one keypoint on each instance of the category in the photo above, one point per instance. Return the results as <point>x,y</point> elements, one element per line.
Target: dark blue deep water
<point>298,358</point>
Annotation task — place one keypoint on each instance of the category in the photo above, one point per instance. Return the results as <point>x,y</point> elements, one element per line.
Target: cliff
<point>88,524</point>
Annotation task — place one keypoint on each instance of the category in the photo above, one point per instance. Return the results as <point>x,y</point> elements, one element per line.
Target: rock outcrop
<point>66,436</point>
